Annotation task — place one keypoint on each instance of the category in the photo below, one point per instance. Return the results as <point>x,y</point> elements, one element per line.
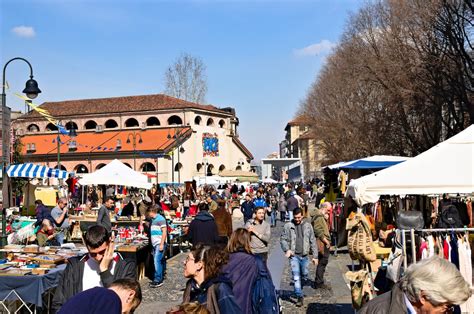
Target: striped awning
<point>35,171</point>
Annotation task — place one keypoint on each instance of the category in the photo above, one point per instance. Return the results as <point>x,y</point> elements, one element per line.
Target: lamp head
<point>31,89</point>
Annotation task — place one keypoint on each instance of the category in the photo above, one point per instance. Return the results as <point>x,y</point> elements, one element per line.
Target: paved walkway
<point>336,300</point>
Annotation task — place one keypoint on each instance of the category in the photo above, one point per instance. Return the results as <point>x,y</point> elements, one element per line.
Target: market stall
<point>116,173</point>
<point>445,168</point>
<point>28,274</point>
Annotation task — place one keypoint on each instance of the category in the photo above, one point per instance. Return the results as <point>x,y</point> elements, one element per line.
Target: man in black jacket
<point>99,268</point>
<point>203,229</point>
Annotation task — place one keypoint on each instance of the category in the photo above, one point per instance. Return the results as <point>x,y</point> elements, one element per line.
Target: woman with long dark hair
<point>206,285</point>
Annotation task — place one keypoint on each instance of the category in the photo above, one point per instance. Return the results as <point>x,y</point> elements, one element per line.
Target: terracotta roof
<point>299,120</point>
<point>117,105</point>
<point>86,142</point>
<point>242,147</point>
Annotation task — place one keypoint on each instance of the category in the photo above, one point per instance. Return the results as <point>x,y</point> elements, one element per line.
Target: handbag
<point>410,220</point>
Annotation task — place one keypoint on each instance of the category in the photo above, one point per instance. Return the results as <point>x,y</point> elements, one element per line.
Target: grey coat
<point>288,239</point>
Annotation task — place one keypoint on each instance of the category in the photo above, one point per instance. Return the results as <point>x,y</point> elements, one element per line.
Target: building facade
<point>300,143</point>
<point>171,140</point>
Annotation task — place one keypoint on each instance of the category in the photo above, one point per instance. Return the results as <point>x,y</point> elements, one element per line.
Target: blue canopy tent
<point>29,170</point>
<point>373,162</point>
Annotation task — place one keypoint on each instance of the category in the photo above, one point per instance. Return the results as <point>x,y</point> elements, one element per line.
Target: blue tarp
<point>363,164</point>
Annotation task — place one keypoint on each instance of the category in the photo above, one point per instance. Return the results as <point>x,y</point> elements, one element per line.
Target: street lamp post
<point>31,90</point>
<point>178,136</point>
<point>134,136</point>
<point>72,133</point>
<point>205,162</point>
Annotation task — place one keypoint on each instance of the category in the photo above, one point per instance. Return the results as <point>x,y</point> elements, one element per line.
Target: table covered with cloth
<point>30,288</point>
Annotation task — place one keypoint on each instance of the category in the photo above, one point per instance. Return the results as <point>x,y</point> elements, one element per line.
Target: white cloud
<point>24,31</point>
<point>323,47</point>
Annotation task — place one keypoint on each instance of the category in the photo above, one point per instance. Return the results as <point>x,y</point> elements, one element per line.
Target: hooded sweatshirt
<point>203,229</point>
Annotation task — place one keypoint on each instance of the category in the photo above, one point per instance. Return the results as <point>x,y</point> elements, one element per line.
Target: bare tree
<point>186,79</point>
<point>400,81</point>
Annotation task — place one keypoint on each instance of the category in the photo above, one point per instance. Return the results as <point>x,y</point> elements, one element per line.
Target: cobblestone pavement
<point>336,300</point>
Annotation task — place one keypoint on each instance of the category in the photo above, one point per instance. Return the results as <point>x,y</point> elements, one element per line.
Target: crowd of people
<point>226,267</point>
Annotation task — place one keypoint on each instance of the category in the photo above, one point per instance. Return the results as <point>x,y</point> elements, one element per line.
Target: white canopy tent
<point>116,173</point>
<point>444,168</point>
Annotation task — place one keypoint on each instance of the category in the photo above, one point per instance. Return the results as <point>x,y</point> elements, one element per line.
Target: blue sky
<point>261,56</point>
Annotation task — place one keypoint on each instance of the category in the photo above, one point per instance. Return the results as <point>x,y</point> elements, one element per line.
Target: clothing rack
<point>412,237</point>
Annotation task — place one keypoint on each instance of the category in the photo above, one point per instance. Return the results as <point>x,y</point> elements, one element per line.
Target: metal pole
<point>413,246</point>
<point>172,166</point>
<point>5,181</point>
<point>157,172</point>
<point>58,139</point>
<point>134,157</point>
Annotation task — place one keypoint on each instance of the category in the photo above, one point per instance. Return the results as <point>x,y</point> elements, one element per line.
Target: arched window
<point>99,166</point>
<point>210,122</point>
<point>111,124</point>
<point>62,167</point>
<point>51,127</point>
<point>238,168</point>
<point>148,167</point>
<point>153,121</point>
<point>198,167</point>
<point>197,120</point>
<point>81,169</point>
<point>221,168</point>
<point>90,125</point>
<point>130,123</point>
<point>33,128</point>
<point>209,169</point>
<point>178,167</point>
<point>128,165</point>
<point>175,120</point>
<point>221,123</point>
<point>71,125</point>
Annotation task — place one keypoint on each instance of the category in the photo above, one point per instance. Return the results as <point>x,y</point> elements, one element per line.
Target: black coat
<point>70,282</point>
<point>203,229</point>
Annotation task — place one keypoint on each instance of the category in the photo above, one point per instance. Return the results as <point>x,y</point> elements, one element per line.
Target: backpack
<point>264,296</point>
<point>450,218</point>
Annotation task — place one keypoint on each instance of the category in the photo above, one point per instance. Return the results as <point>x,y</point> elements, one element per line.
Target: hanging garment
<point>454,254</point>
<point>469,211</point>
<point>431,248</point>
<point>423,251</point>
<point>446,249</point>
<point>465,267</point>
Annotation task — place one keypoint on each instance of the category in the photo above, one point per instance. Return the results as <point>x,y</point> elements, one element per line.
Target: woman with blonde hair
<point>206,285</point>
<point>241,268</point>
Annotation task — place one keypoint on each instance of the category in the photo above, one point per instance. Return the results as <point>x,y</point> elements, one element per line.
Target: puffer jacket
<point>288,238</point>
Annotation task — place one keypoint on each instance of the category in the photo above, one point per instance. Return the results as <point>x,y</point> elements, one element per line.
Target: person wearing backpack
<point>297,241</point>
<point>260,231</point>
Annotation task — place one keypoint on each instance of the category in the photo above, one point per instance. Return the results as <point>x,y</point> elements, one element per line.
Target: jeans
<point>290,214</point>
<point>273,220</point>
<point>299,270</point>
<point>160,263</point>
<point>322,263</point>
<point>60,237</point>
